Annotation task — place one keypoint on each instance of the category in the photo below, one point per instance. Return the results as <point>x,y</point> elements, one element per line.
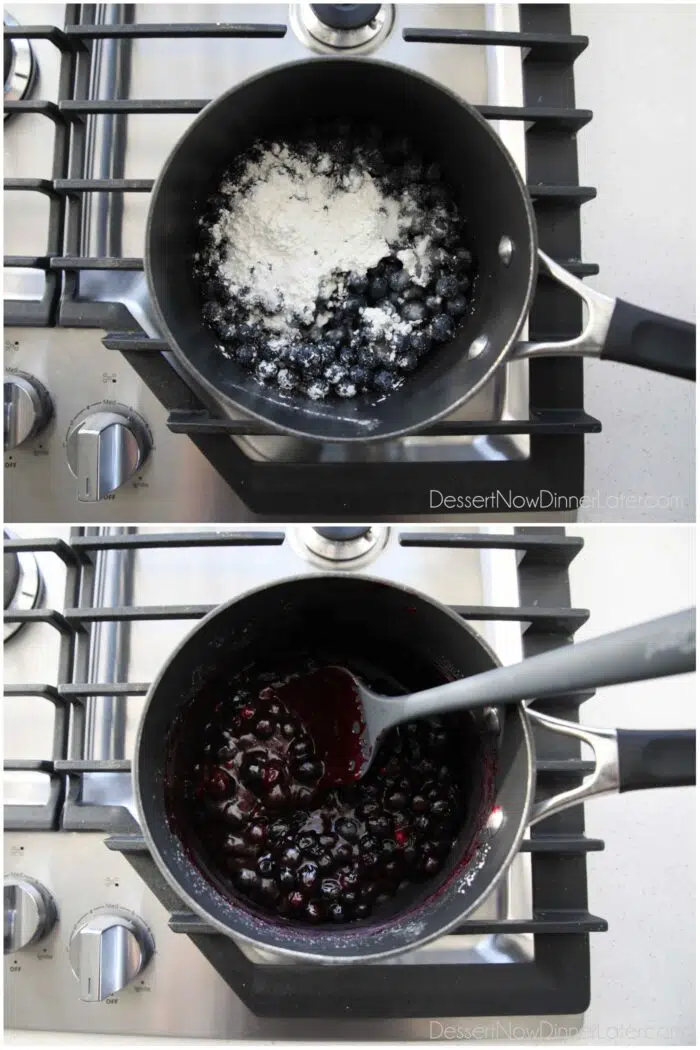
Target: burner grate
<point>555,981</point>
<point>556,421</point>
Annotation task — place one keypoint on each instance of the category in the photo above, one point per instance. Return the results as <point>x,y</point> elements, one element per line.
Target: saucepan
<point>490,194</point>
<point>382,632</point>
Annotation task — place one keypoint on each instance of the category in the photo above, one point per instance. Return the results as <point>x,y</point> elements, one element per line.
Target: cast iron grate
<point>556,421</point>
<point>557,980</point>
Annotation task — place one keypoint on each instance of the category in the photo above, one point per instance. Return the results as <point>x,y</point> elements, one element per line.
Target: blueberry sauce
<point>250,797</point>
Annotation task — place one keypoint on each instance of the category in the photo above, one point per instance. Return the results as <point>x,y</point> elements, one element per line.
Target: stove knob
<point>29,913</point>
<point>28,408</point>
<point>346,16</point>
<point>105,448</point>
<point>342,533</point>
<point>108,951</point>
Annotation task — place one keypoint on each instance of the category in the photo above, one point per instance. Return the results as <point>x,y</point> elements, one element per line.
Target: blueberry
<point>456,306</point>
<point>359,375</point>
<point>330,889</point>
<point>407,362</point>
<point>433,304</point>
<point>286,380</point>
<point>309,771</point>
<point>342,854</point>
<point>335,374</point>
<point>313,911</point>
<point>307,876</point>
<point>256,833</point>
<point>266,865</point>
<point>357,282</point>
<point>440,808</point>
<point>378,289</point>
<point>379,825</point>
<point>446,286</point>
<point>419,342</point>
<point>346,389</point>
<point>286,878</point>
<point>248,880</point>
<point>308,842</point>
<point>213,313</point>
<point>246,355</point>
<point>397,800</point>
<point>384,382</point>
<point>352,305</point>
<point>346,357</point>
<point>335,337</point>
<point>348,828</point>
<point>290,856</point>
<point>414,293</point>
<point>296,900</point>
<point>279,829</point>
<point>318,389</point>
<point>337,913</point>
<point>413,312</point>
<point>420,804</point>
<point>264,729</point>
<point>399,281</point>
<point>431,865</point>
<point>266,370</point>
<point>362,911</point>
<point>442,328</point>
<point>463,284</point>
<point>302,748</point>
<point>288,730</point>
<point>252,770</point>
<point>308,360</point>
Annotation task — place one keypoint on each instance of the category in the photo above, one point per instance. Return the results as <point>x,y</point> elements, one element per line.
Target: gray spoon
<point>649,650</point>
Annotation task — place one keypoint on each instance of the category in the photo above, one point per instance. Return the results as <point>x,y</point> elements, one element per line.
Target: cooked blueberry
<point>266,864</point>
<point>442,329</point>
<point>256,833</point>
<point>279,829</point>
<point>253,769</point>
<point>337,913</point>
<point>302,748</point>
<point>307,875</point>
<point>313,911</point>
<point>296,900</point>
<point>309,771</point>
<point>440,808</point>
<point>286,878</point>
<point>248,880</point>
<point>378,289</point>
<point>277,797</point>
<point>379,826</point>
<point>348,828</point>
<point>330,889</point>
<point>264,729</point>
<point>397,800</point>
<point>362,910</point>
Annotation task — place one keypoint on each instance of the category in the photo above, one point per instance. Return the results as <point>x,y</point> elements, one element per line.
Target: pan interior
<point>396,642</point>
<point>276,105</point>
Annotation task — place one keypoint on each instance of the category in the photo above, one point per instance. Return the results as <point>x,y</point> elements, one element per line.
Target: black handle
<point>656,758</point>
<point>641,337</point>
<point>346,16</point>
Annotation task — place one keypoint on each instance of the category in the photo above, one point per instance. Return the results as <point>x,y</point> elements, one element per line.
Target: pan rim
<point>307,956</point>
<point>229,403</point>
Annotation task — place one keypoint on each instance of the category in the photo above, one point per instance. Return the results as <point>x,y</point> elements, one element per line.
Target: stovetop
<point>116,602</point>
<point>79,167</point>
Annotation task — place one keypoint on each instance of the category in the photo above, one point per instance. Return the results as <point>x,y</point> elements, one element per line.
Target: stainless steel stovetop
<point>178,993</point>
<point>176,483</point>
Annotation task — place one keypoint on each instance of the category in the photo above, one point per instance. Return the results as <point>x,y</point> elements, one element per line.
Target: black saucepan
<point>489,192</point>
<point>381,631</point>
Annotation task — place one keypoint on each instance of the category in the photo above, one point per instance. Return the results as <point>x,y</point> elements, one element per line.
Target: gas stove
<point>117,85</point>
<point>81,891</point>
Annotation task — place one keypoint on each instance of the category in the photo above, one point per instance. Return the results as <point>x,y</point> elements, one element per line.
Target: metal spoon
<point>650,650</point>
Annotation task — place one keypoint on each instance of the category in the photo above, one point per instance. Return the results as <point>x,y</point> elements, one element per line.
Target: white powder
<point>290,232</point>
<point>384,320</point>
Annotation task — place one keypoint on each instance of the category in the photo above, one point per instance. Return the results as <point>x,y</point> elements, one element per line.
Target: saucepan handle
<point>625,760</point>
<point>616,330</point>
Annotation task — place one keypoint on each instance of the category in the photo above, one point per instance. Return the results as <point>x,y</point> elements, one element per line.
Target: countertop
<point>638,77</point>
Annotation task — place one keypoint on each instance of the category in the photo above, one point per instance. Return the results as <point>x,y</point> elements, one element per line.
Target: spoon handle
<point>649,650</point>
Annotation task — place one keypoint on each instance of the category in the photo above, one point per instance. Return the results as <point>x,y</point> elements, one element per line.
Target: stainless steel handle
<point>599,310</point>
<point>605,778</point>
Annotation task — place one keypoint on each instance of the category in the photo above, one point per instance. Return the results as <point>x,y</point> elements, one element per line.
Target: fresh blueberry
<point>378,289</point>
<point>419,342</point>
<point>442,328</point>
<point>266,370</point>
<point>433,304</point>
<point>308,360</point>
<point>446,286</point>
<point>399,281</point>
<point>346,389</point>
<point>413,312</point>
<point>335,374</point>
<point>246,355</point>
<point>407,362</point>
<point>464,259</point>
<point>456,306</point>
<point>384,382</point>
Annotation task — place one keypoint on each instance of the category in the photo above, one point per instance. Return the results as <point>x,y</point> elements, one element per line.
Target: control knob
<point>29,913</point>
<point>107,951</point>
<point>105,445</point>
<point>28,408</point>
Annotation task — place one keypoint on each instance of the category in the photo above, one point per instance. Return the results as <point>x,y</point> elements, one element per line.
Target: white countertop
<point>638,77</point>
